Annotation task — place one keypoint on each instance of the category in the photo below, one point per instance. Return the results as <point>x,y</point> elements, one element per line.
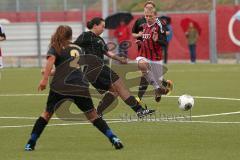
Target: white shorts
<point>155,66</point>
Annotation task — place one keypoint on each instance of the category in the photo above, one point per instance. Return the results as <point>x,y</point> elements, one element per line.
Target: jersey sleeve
<point>104,47</point>
<point>81,39</point>
<point>135,27</point>
<point>51,52</point>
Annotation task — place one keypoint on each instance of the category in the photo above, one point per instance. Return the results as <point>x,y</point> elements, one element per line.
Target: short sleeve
<point>135,27</point>
<point>84,39</point>
<point>103,45</point>
<point>51,52</point>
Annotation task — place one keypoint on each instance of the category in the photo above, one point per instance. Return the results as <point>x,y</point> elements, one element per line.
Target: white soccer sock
<point>151,80</point>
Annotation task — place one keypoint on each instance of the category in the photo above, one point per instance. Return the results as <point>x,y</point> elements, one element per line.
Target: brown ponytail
<point>61,38</point>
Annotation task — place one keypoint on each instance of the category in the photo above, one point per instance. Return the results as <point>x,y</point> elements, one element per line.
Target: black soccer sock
<point>164,83</point>
<point>38,128</point>
<point>133,103</point>
<point>105,102</point>
<point>142,87</point>
<point>102,126</point>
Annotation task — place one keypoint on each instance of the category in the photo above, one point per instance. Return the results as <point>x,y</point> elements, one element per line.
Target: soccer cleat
<point>30,146</point>
<point>144,112</point>
<point>116,142</point>
<point>159,92</point>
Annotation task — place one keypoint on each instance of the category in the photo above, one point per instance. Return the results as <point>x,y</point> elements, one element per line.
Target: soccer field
<point>211,134</point>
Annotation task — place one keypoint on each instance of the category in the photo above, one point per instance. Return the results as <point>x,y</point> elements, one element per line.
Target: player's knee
<point>113,91</point>
<point>46,115</point>
<point>143,65</point>
<point>92,115</point>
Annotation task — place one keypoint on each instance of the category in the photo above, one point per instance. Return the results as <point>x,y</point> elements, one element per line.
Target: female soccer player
<point>60,51</point>
<point>150,59</point>
<point>137,32</point>
<point>107,79</point>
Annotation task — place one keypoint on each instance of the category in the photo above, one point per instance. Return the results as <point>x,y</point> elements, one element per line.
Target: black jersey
<point>63,70</point>
<point>92,44</point>
<point>138,26</point>
<point>65,54</point>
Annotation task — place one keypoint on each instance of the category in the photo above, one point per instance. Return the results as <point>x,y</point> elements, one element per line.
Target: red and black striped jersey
<point>150,49</point>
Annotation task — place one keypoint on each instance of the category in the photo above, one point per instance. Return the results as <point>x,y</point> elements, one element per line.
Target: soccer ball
<point>185,102</point>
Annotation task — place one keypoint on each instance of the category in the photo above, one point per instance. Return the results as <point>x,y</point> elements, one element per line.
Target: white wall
<point>22,37</point>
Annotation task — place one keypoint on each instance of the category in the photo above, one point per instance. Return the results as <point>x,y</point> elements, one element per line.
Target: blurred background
<point>29,24</point>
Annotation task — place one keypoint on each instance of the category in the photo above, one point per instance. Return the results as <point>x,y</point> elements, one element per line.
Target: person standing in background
<point>192,37</point>
<point>169,38</point>
<point>2,38</point>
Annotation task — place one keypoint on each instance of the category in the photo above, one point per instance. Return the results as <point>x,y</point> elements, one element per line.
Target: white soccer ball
<point>185,102</point>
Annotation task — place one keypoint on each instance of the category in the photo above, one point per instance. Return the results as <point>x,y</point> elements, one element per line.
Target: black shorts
<point>105,79</point>
<point>55,100</point>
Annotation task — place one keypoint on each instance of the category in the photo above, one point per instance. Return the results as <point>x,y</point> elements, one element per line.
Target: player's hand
<point>155,36</point>
<point>51,74</point>
<point>123,60</point>
<point>42,85</point>
<point>138,42</point>
<point>140,34</point>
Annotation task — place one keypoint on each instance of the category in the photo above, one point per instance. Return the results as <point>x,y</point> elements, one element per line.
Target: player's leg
<point>106,101</point>
<point>147,71</point>
<point>145,68</point>
<point>86,105</point>
<point>42,121</point>
<point>109,81</point>
<point>119,87</point>
<point>37,130</point>
<point>142,88</point>
<point>166,86</point>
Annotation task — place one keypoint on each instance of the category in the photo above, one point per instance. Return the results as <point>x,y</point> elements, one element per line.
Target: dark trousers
<point>165,53</point>
<point>192,49</point>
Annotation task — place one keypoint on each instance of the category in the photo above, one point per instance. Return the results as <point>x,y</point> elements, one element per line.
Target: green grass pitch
<point>212,134</point>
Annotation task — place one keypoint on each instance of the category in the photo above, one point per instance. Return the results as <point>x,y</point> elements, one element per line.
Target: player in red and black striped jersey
<point>150,48</point>
<point>150,57</point>
<point>137,32</point>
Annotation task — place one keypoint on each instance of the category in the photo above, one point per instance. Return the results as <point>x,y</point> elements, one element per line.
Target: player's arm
<point>137,35</point>
<point>51,74</point>
<point>160,37</point>
<point>47,72</point>
<point>112,55</point>
<point>135,30</point>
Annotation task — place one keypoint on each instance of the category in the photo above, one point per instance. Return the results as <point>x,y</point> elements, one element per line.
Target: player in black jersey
<point>107,80</point>
<point>62,51</point>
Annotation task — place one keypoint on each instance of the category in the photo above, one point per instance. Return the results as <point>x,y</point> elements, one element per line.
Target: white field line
<point>87,123</point>
<point>217,114</point>
<point>21,95</point>
<point>197,116</point>
<point>197,97</point>
<point>60,124</point>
